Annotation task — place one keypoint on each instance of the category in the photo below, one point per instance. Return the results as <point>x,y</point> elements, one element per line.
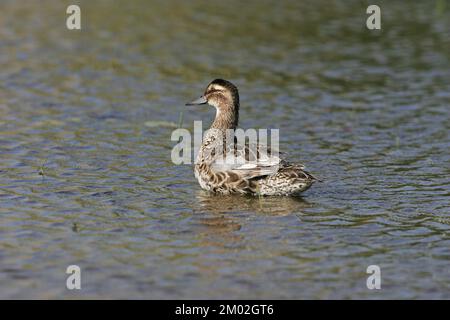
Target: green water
<point>86,176</point>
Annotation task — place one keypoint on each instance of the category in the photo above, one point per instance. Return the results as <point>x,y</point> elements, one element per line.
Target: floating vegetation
<point>41,170</point>
<point>160,124</point>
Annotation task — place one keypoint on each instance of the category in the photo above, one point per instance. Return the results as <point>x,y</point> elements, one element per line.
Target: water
<point>86,176</point>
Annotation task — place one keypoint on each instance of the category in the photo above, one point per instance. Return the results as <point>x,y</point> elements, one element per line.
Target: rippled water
<point>86,176</point>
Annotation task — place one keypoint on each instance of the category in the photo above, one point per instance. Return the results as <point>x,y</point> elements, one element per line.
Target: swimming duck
<point>253,169</point>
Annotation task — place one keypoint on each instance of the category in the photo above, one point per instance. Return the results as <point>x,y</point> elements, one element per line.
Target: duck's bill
<point>201,100</point>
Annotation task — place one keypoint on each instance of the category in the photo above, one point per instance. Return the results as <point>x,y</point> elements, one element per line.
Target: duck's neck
<point>227,117</point>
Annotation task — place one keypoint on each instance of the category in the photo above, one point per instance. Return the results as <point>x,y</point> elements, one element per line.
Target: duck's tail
<point>289,180</point>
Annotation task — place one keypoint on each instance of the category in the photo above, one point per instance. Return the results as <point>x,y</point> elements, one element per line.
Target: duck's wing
<point>249,161</point>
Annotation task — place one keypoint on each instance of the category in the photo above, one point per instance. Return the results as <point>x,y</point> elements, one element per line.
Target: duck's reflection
<point>221,216</point>
<point>276,206</point>
<point>225,225</point>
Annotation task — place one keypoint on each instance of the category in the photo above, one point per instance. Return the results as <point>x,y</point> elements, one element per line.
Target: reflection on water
<point>86,176</point>
<point>276,206</point>
<point>221,219</point>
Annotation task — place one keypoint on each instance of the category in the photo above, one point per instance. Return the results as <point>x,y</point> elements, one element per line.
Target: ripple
<point>86,175</point>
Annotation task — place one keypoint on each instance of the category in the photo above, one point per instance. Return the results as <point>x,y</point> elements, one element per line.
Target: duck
<point>224,166</point>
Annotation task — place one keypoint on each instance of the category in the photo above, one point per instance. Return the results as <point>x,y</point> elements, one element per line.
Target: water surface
<point>86,176</point>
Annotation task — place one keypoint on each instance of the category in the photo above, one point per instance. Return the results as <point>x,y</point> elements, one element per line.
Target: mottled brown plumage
<point>223,166</point>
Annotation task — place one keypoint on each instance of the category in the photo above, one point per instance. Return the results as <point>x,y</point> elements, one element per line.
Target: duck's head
<point>224,96</point>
